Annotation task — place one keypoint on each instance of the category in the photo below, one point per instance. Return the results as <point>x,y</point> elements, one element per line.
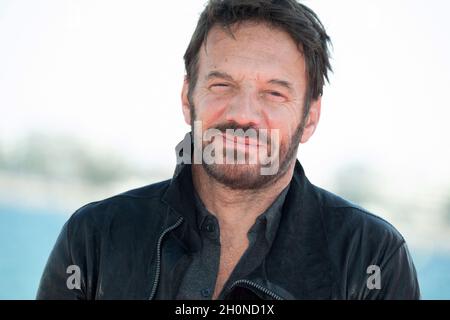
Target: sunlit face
<point>256,79</point>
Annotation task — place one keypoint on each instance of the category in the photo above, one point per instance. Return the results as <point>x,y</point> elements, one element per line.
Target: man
<point>239,219</point>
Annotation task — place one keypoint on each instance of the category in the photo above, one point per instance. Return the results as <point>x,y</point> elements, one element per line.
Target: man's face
<point>255,80</point>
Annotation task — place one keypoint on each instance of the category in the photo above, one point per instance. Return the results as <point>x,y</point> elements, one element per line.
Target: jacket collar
<point>300,243</point>
<point>179,197</point>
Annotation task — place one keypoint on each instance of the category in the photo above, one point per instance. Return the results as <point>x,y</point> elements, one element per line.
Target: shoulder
<point>342,217</point>
<point>131,208</point>
<point>359,240</point>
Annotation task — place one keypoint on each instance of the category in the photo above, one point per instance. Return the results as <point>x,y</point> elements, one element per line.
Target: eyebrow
<point>219,74</point>
<point>226,76</point>
<point>282,83</point>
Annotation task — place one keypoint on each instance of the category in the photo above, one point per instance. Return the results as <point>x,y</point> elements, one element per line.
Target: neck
<point>237,210</point>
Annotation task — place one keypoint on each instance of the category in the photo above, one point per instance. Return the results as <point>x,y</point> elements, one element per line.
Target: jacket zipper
<point>158,255</point>
<point>248,283</point>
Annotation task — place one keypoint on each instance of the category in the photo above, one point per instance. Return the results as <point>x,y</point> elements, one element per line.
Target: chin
<point>239,176</point>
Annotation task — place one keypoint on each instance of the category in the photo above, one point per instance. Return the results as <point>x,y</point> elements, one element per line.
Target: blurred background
<point>90,107</point>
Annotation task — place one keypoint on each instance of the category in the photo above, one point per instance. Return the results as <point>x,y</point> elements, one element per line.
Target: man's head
<point>257,64</point>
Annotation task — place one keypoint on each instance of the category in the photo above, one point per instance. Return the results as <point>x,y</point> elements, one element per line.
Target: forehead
<point>252,48</point>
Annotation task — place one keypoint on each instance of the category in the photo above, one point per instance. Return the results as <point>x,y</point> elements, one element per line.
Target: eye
<point>275,96</point>
<point>220,87</point>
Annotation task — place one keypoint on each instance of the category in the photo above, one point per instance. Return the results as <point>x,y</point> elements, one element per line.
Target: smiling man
<point>223,227</point>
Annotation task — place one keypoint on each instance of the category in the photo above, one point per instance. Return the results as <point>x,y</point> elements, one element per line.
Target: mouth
<point>245,141</point>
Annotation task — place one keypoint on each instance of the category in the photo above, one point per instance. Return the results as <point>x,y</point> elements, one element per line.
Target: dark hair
<point>300,22</point>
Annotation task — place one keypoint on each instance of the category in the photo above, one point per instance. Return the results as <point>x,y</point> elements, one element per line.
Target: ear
<point>185,102</point>
<point>312,120</point>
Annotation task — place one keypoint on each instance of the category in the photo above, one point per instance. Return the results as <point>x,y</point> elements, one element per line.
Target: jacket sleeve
<point>397,278</point>
<point>62,278</point>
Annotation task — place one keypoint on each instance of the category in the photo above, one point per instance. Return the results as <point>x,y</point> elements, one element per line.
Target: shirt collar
<point>270,218</point>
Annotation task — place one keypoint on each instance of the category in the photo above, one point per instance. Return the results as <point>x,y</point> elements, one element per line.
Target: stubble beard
<point>248,176</point>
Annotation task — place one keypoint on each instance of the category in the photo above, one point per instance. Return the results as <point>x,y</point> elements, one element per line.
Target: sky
<point>110,73</point>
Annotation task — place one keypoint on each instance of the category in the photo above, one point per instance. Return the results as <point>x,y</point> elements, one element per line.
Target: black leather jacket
<point>136,245</point>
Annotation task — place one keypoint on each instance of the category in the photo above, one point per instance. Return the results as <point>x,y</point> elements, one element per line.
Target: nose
<point>244,109</point>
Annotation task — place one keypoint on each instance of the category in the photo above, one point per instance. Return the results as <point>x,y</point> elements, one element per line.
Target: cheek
<point>286,120</point>
<point>210,110</point>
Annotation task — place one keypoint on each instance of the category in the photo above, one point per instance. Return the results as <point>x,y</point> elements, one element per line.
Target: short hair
<point>300,22</point>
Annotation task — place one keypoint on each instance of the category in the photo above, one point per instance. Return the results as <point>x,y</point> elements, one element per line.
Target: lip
<point>238,141</point>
